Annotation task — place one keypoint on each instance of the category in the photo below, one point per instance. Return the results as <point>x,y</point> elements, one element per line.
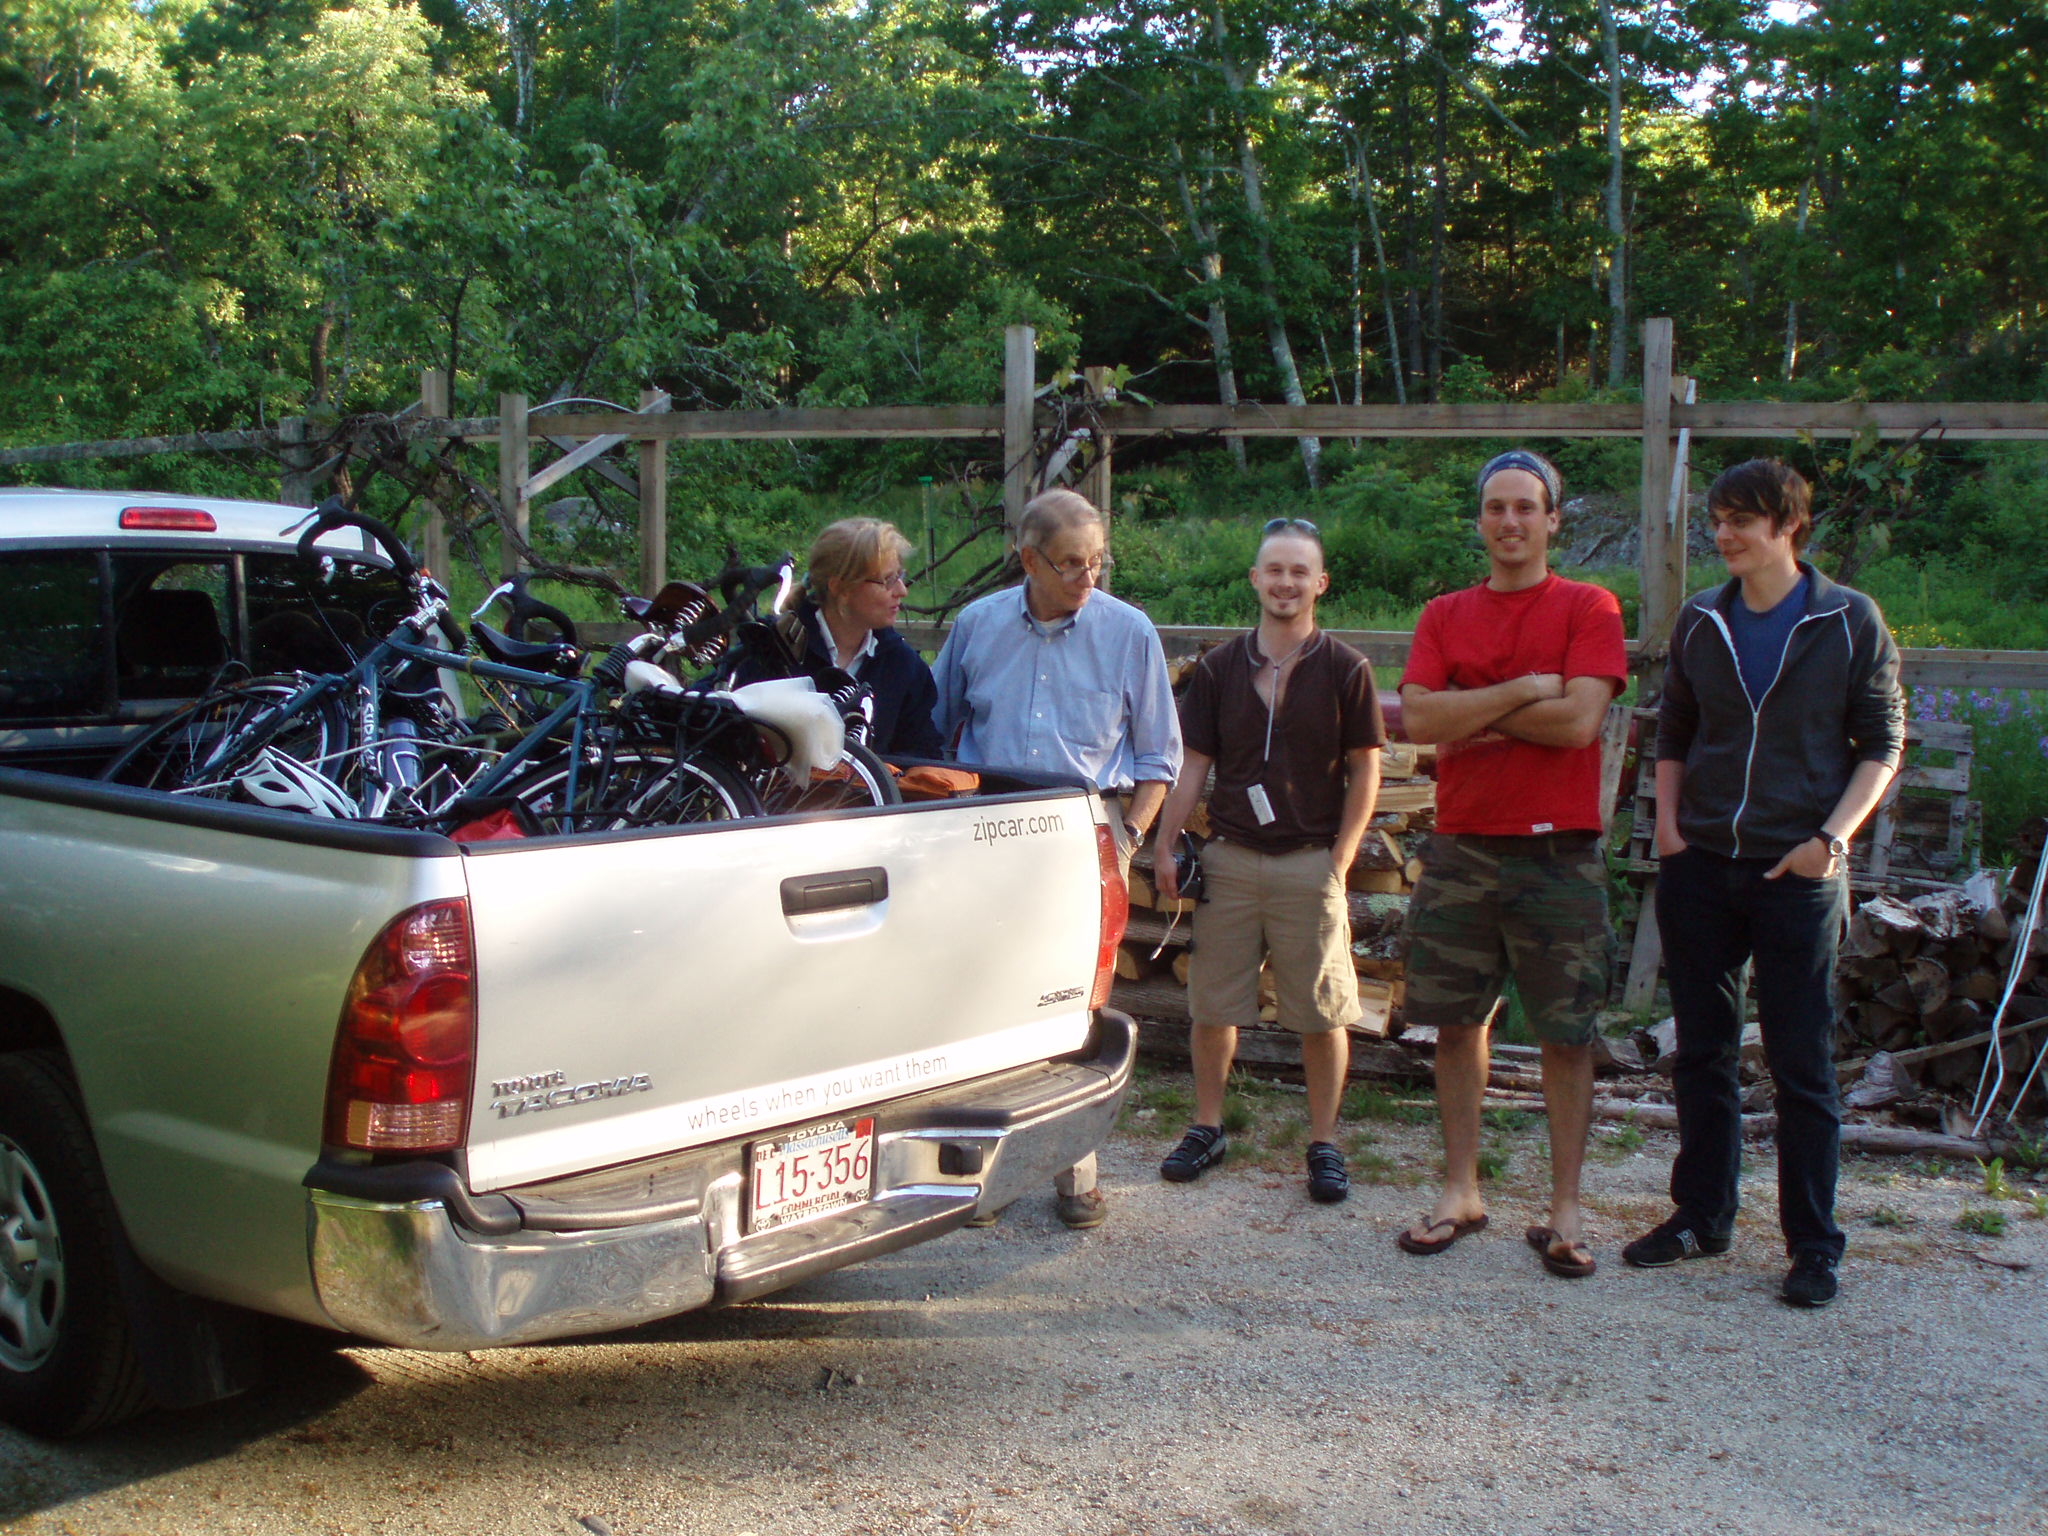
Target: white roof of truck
<point>54,518</point>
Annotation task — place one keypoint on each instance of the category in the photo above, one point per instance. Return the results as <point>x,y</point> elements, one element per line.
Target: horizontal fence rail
<point>1959,421</point>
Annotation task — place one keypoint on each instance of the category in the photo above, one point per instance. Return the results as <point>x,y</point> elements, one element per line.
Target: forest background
<point>220,213</point>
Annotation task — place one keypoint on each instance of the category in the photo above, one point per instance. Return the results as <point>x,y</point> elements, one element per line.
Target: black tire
<point>200,749</point>
<point>862,780</point>
<point>67,1358</point>
<point>640,787</point>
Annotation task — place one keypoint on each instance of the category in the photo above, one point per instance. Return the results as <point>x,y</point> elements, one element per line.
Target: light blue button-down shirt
<point>1088,695</point>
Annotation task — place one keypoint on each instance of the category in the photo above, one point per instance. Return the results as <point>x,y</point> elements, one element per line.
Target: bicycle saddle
<point>539,655</point>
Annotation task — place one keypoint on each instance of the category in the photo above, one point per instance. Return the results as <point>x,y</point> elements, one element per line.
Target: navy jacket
<point>1761,775</point>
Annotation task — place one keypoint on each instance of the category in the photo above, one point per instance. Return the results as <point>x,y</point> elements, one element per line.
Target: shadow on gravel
<point>307,1377</point>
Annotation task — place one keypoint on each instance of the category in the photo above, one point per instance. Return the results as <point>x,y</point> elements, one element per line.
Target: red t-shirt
<point>1492,783</point>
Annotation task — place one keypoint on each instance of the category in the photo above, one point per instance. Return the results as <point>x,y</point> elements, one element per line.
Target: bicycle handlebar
<point>331,514</point>
<point>741,586</point>
<point>523,605</point>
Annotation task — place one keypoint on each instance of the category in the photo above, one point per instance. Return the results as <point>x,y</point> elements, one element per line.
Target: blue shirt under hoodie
<point>1760,637</point>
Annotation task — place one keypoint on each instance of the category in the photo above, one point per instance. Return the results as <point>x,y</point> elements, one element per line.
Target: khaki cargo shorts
<point>1287,905</point>
<point>1534,908</point>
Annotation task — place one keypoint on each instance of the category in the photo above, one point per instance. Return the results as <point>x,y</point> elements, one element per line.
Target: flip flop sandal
<point>1458,1229</point>
<point>1566,1266</point>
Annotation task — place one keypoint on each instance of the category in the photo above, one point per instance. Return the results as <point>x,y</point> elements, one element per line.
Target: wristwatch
<point>1837,849</point>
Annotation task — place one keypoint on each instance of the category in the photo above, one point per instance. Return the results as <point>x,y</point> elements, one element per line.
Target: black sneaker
<point>1673,1239</point>
<point>1199,1151</point>
<point>1327,1181</point>
<point>1810,1282</point>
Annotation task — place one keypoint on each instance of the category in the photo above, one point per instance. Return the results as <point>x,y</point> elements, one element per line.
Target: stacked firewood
<point>1921,979</point>
<point>1152,966</point>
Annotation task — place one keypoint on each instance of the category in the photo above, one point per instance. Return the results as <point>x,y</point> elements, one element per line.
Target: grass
<point>1368,1103</point>
<point>1494,1162</point>
<point>1612,1143</point>
<point>1888,1216</point>
<point>1983,1221</point>
<point>1995,1185</point>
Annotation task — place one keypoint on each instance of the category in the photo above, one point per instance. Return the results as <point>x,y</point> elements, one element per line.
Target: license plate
<point>810,1173</point>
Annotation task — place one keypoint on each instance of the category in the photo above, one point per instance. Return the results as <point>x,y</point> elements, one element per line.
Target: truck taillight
<point>169,519</point>
<point>405,1052</point>
<point>1116,913</point>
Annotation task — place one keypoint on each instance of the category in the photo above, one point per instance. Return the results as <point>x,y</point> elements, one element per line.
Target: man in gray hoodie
<point>1781,724</point>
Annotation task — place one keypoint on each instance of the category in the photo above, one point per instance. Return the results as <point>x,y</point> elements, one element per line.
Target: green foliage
<point>1983,1221</point>
<point>1888,1216</point>
<point>1624,1139</point>
<point>2009,775</point>
<point>1995,1185</point>
<point>1494,1163</point>
<point>1238,1115</point>
<point>1364,1102</point>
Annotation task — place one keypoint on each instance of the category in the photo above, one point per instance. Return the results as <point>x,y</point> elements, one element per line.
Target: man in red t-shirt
<point>1511,679</point>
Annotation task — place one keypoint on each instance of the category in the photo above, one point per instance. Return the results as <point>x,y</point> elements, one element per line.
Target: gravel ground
<point>1219,1358</point>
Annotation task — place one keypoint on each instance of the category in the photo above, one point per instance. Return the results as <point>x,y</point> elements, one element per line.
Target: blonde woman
<point>847,615</point>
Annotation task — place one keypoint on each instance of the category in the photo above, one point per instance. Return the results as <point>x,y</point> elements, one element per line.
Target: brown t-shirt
<point>1329,707</point>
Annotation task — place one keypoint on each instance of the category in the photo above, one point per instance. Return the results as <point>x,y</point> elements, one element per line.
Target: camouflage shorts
<point>1481,915</point>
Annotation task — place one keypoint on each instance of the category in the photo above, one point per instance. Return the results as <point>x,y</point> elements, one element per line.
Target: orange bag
<point>931,781</point>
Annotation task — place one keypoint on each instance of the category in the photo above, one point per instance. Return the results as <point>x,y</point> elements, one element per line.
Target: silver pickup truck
<point>454,1096</point>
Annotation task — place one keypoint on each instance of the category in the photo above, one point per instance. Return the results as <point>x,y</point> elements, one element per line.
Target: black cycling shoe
<point>1327,1180</point>
<point>1672,1239</point>
<point>1811,1282</point>
<point>1199,1151</point>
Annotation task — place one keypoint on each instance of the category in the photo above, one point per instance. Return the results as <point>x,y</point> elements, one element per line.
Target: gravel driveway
<point>1223,1357</point>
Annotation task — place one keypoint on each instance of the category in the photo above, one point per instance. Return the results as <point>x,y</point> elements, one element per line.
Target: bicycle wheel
<point>639,787</point>
<point>861,779</point>
<point>208,746</point>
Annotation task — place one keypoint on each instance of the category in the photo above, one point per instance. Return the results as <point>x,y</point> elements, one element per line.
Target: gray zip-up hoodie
<point>1761,775</point>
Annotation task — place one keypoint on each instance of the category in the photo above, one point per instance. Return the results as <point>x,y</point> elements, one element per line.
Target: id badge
<point>1262,806</point>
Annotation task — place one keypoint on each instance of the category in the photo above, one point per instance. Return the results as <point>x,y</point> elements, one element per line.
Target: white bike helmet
<point>285,783</point>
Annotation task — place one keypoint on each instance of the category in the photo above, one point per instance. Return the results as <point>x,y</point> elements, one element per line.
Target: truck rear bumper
<point>628,1245</point>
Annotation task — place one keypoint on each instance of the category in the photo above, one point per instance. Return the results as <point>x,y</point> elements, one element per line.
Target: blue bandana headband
<point>1534,463</point>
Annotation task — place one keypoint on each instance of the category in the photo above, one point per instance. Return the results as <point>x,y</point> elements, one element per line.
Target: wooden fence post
<point>1095,485</point>
<point>514,466</point>
<point>1663,578</point>
<point>653,501</point>
<point>1020,449</point>
<point>434,526</point>
<point>295,485</point>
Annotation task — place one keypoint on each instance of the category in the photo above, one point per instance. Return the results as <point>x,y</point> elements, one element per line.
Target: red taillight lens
<point>174,519</point>
<point>405,1053</point>
<point>1116,914</point>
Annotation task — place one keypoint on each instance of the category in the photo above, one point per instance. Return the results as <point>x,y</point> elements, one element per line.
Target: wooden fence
<point>1668,419</point>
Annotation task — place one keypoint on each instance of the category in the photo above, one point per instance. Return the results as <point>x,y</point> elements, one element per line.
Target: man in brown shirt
<point>1290,720</point>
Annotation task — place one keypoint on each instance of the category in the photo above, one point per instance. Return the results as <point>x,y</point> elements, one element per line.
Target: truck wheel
<point>67,1362</point>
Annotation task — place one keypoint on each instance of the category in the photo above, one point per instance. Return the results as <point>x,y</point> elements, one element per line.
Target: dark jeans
<point>1715,913</point>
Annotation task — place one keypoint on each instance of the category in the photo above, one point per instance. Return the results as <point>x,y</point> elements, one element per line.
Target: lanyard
<point>1273,698</point>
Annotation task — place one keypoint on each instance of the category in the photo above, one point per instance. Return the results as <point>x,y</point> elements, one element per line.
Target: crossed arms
<point>1545,708</point>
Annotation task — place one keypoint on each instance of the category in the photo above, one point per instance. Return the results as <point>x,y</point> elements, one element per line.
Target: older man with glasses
<point>1059,676</point>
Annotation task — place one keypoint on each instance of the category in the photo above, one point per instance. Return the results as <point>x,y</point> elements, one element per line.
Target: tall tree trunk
<point>1210,263</point>
<point>1362,189</point>
<point>1411,300</point>
<point>1617,230</point>
<point>1269,283</point>
<point>1799,228</point>
<point>1439,202</point>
